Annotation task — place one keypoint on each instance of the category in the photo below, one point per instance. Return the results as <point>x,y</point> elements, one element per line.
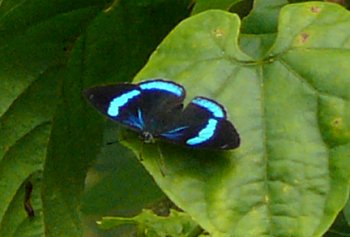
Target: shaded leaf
<point>118,186</point>
<point>25,130</point>
<point>266,10</point>
<point>347,212</point>
<point>203,5</point>
<point>259,28</point>
<point>339,228</point>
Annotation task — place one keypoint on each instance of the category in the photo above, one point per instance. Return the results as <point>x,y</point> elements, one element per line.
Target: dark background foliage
<point>51,50</point>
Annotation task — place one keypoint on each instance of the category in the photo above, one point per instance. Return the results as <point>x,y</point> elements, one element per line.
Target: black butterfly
<point>155,110</point>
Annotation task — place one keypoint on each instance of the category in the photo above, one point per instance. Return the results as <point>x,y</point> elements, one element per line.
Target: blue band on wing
<point>162,85</point>
<point>204,134</point>
<point>118,102</point>
<point>140,117</point>
<point>175,133</point>
<point>210,105</point>
<point>134,121</point>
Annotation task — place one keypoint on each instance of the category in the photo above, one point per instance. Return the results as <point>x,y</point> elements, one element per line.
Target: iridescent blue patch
<point>162,85</point>
<point>211,106</point>
<point>205,134</point>
<point>174,133</point>
<point>134,121</point>
<point>120,101</point>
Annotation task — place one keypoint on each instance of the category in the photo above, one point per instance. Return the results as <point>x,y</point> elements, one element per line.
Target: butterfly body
<point>154,109</point>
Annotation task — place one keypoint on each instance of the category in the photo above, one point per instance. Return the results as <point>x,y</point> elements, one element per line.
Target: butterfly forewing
<point>149,106</point>
<point>120,103</point>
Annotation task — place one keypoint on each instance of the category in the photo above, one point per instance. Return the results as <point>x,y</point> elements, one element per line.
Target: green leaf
<point>33,39</point>
<point>290,176</point>
<point>266,10</point>
<point>176,224</point>
<point>16,222</point>
<point>259,35</point>
<point>25,130</point>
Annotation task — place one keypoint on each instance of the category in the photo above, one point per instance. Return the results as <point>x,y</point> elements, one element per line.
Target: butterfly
<point>155,110</point>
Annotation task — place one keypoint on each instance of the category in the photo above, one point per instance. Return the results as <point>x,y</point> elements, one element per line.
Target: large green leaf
<point>290,176</point>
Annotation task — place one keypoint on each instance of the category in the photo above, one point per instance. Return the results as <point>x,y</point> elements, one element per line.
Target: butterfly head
<point>147,137</point>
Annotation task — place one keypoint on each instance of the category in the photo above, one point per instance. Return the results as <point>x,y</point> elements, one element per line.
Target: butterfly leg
<point>160,161</point>
<point>140,158</point>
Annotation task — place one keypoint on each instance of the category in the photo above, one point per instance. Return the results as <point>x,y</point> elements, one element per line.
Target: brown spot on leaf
<point>219,33</point>
<point>315,9</point>
<point>337,122</point>
<point>304,37</point>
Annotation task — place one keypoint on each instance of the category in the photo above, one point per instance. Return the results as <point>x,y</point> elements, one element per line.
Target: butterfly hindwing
<point>203,124</point>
